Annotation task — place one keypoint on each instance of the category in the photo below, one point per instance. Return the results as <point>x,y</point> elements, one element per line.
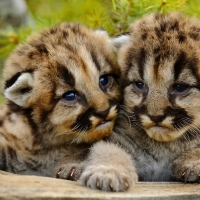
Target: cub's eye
<point>180,88</point>
<point>70,96</point>
<point>139,85</point>
<point>104,80</point>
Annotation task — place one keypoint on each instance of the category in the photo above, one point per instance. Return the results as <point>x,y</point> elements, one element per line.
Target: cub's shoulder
<point>4,113</point>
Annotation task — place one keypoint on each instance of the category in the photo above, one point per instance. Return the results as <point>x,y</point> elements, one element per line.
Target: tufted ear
<point>117,41</point>
<point>120,41</point>
<point>101,32</point>
<point>19,91</point>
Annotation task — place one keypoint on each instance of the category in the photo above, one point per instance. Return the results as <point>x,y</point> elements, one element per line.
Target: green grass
<point>1,99</point>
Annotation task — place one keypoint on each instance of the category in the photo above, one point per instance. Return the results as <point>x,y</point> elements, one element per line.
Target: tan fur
<point>159,122</point>
<point>160,81</point>
<point>40,126</point>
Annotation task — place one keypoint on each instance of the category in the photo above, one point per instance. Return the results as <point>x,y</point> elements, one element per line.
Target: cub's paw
<point>186,170</point>
<point>70,171</point>
<point>108,178</point>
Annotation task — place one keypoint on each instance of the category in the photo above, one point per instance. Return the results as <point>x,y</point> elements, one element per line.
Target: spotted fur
<point>62,95</point>
<point>161,91</point>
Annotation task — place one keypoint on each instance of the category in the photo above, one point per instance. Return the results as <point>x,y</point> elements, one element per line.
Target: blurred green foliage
<point>113,16</point>
<point>1,99</point>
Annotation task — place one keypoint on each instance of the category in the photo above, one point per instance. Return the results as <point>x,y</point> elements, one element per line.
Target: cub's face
<point>65,82</point>
<point>161,76</point>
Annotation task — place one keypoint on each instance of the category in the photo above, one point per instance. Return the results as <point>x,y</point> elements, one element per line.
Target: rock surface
<point>31,187</point>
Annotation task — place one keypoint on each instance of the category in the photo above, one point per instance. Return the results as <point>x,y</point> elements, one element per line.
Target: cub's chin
<point>164,134</point>
<point>96,132</point>
<point>99,132</point>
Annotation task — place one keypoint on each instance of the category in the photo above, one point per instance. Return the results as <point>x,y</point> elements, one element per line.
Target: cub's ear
<point>117,41</point>
<point>101,32</point>
<point>19,91</point>
<point>120,41</point>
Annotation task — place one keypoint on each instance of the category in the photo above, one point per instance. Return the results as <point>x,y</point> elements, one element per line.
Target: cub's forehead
<point>166,27</point>
<point>63,45</point>
<point>162,41</point>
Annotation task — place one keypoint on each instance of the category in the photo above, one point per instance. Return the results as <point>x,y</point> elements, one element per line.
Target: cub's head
<point>161,76</point>
<point>64,80</point>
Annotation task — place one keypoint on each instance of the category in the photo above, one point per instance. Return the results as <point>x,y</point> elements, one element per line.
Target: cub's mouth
<point>159,128</point>
<point>103,123</point>
<point>163,133</point>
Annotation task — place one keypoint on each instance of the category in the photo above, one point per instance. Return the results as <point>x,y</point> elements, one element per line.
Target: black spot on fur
<point>179,115</point>
<point>65,75</point>
<point>163,26</point>
<point>192,64</point>
<point>75,29</point>
<point>31,55</point>
<point>113,102</point>
<point>141,60</point>
<point>82,122</point>
<point>179,64</point>
<point>144,36</point>
<point>193,35</point>
<point>65,34</point>
<point>181,37</point>
<point>158,16</point>
<point>178,112</point>
<point>168,37</point>
<point>183,62</point>
<point>174,26</point>
<point>156,65</point>
<point>28,113</point>
<point>138,110</point>
<point>128,60</point>
<point>158,32</point>
<point>125,83</point>
<point>112,64</point>
<point>53,31</point>
<point>102,114</point>
<point>95,61</point>
<point>1,122</point>
<point>156,50</point>
<point>42,49</point>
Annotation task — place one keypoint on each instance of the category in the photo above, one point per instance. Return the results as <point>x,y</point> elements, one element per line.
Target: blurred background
<point>21,18</point>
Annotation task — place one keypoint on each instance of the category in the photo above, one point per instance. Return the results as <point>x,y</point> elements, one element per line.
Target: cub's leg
<point>186,167</point>
<point>108,168</point>
<point>70,168</point>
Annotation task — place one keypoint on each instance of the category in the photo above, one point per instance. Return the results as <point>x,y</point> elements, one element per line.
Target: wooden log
<point>14,187</point>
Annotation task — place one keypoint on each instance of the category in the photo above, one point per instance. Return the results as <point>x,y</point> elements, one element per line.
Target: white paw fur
<point>109,168</point>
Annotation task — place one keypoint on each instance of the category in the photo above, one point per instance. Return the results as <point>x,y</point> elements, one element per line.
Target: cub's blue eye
<point>140,85</point>
<point>181,88</point>
<point>70,96</point>
<point>104,80</point>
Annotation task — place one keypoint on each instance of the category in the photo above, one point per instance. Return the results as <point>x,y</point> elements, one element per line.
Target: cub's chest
<point>155,165</point>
